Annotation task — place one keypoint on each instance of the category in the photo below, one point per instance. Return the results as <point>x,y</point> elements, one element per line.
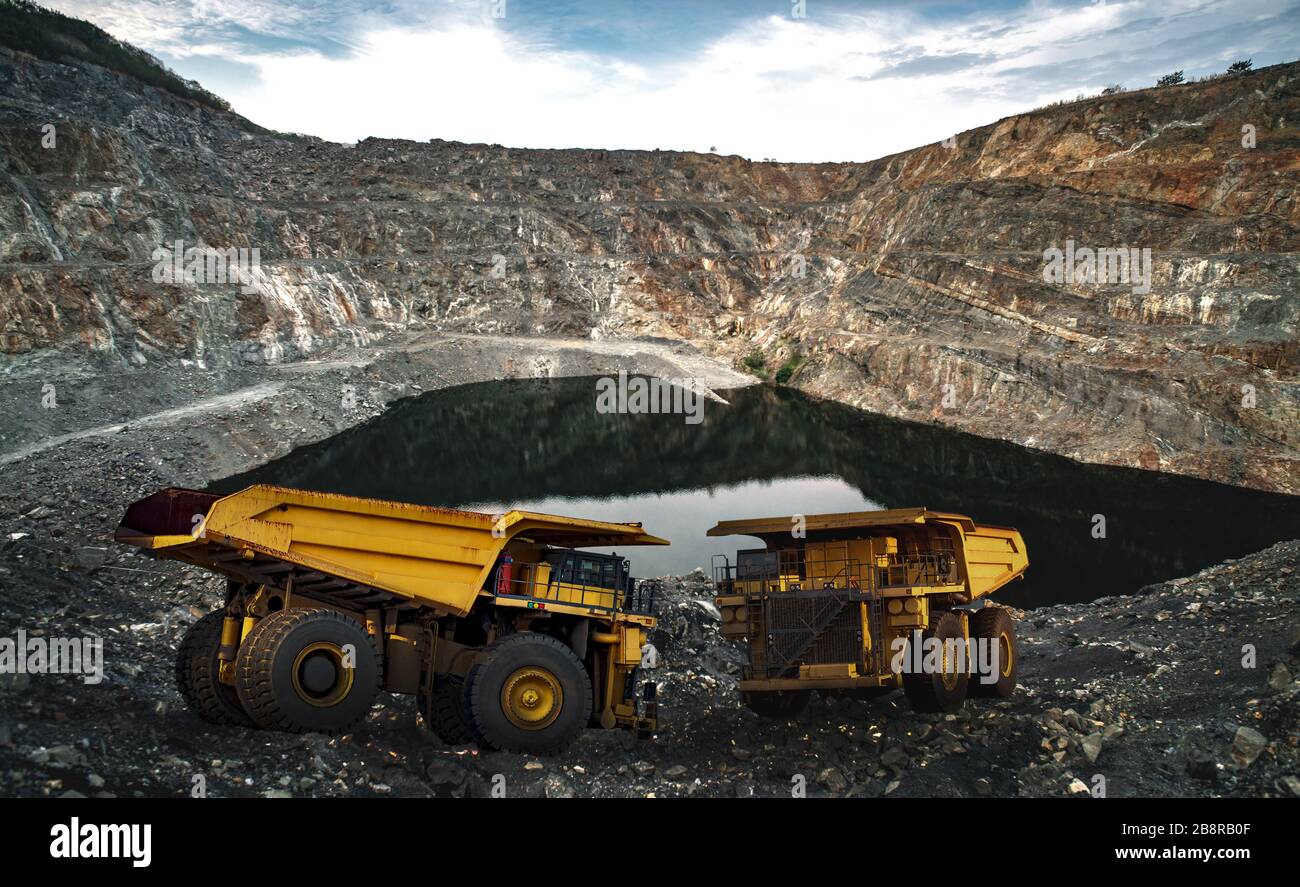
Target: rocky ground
<point>1155,691</point>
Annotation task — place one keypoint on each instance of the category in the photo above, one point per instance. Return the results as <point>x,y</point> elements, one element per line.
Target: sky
<point>791,80</point>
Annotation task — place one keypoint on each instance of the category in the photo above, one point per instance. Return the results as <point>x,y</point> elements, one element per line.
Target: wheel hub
<point>532,698</point>
<point>320,676</point>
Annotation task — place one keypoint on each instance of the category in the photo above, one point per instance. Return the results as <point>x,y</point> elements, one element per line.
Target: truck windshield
<point>757,564</point>
<point>582,568</point>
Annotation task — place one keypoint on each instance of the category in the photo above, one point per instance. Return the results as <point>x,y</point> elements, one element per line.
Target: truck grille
<point>809,628</point>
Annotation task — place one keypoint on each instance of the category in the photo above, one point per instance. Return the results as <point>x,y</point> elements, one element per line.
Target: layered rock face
<point>911,285</point>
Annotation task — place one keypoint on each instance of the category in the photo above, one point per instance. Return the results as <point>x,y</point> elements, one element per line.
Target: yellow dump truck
<point>510,635</point>
<point>864,602</point>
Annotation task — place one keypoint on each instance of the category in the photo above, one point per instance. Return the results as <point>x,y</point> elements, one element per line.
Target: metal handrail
<point>792,570</point>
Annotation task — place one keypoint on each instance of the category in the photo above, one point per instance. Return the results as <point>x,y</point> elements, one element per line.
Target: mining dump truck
<point>864,602</point>
<point>511,637</point>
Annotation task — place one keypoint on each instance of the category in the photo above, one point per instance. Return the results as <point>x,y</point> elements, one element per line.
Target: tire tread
<point>197,676</point>
<point>254,675</point>
<point>545,743</point>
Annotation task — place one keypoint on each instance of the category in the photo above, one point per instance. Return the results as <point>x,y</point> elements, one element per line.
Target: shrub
<point>786,372</point>
<point>53,36</point>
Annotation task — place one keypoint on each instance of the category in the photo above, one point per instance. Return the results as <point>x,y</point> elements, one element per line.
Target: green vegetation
<point>53,36</point>
<point>786,372</point>
<point>756,363</point>
<point>1240,67</point>
<point>1171,79</point>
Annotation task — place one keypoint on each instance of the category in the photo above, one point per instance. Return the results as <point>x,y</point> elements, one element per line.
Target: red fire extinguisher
<point>504,574</point>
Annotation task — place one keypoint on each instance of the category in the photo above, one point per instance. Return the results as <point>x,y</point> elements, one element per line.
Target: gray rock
<point>555,786</point>
<point>832,780</point>
<point>1280,678</point>
<point>1201,765</point>
<point>1247,745</point>
<point>894,756</point>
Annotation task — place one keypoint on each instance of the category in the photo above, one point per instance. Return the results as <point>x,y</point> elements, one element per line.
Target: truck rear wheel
<point>449,713</point>
<point>944,688</point>
<point>995,625</point>
<point>197,670</point>
<point>779,703</point>
<point>529,693</point>
<point>307,670</point>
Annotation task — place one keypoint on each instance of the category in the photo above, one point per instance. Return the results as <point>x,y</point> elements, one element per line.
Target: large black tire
<point>529,693</point>
<point>995,625</point>
<point>449,713</point>
<point>942,689</point>
<point>291,675</point>
<point>197,669</point>
<point>779,704</point>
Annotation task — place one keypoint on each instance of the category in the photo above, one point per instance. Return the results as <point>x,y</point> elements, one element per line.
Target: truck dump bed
<point>988,556</point>
<point>360,550</point>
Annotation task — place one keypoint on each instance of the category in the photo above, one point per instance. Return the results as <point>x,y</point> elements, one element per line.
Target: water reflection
<point>542,445</point>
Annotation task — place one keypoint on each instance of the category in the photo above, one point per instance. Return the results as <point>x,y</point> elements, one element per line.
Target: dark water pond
<point>541,445</point>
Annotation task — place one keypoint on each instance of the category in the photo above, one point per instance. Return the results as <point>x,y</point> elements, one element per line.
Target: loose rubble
<point>1186,688</point>
<point>1113,698</point>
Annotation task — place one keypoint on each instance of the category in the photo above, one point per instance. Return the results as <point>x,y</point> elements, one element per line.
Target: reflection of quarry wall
<point>526,439</point>
<point>909,285</point>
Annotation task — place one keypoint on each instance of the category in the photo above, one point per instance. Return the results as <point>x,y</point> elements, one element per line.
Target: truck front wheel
<point>941,683</point>
<point>307,670</point>
<point>529,693</point>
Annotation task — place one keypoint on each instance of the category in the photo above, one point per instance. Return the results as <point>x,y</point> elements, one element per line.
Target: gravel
<point>1185,688</point>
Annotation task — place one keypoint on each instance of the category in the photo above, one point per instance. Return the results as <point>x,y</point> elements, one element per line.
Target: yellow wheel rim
<point>320,677</point>
<point>1005,652</point>
<point>532,698</point>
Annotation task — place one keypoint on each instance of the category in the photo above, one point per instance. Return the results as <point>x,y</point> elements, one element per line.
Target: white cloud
<point>777,88</point>
<point>842,88</point>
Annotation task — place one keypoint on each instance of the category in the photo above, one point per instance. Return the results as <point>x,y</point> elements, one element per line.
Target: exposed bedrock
<point>911,285</point>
